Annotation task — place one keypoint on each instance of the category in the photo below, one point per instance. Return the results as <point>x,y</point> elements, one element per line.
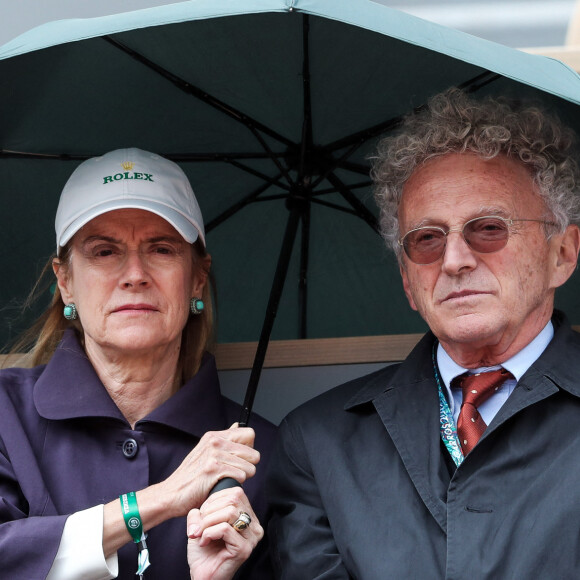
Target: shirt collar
<point>517,365</point>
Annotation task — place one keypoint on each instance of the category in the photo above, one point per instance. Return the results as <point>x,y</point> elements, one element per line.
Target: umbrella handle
<point>225,483</point>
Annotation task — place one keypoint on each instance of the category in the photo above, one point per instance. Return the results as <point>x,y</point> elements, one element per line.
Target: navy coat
<point>65,446</point>
<point>362,486</point>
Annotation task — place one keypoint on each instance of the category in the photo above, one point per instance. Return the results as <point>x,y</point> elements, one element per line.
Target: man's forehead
<point>456,184</point>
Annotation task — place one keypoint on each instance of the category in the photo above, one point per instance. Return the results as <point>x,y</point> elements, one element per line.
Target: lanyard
<point>446,421</point>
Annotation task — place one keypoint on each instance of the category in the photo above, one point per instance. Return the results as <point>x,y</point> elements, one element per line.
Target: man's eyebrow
<point>426,222</point>
<point>482,211</point>
<point>493,210</point>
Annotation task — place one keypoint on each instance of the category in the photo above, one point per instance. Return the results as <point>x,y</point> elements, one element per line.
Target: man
<point>412,473</point>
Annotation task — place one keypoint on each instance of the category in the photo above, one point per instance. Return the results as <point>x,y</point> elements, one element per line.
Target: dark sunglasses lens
<point>425,245</point>
<point>486,235</point>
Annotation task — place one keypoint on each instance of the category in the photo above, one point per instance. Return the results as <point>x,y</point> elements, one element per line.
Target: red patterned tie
<point>477,389</point>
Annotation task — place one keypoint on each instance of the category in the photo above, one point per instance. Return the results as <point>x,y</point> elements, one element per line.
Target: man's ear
<point>406,286</point>
<point>566,248</point>
<point>61,272</point>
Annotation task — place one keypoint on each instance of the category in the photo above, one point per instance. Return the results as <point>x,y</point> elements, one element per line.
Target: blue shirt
<point>517,365</point>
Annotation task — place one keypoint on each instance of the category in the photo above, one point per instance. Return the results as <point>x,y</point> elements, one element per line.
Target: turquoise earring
<point>70,311</point>
<point>196,305</point>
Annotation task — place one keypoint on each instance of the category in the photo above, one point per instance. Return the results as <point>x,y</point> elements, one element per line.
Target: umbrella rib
<point>7,153</point>
<point>271,154</point>
<point>335,206</point>
<point>360,137</point>
<point>336,163</point>
<point>352,167</point>
<point>178,157</point>
<point>361,210</point>
<point>200,94</point>
<point>237,207</point>
<point>272,197</point>
<point>205,157</point>
<point>255,172</point>
<point>330,190</point>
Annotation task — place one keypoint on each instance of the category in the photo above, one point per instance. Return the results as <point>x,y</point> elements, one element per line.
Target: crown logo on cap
<point>127,165</point>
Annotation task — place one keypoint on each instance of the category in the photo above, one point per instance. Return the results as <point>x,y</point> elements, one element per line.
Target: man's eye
<point>427,236</point>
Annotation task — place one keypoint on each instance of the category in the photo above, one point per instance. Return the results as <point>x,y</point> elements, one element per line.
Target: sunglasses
<point>485,235</point>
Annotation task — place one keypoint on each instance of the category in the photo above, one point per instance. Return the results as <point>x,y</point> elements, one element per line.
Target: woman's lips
<point>135,308</point>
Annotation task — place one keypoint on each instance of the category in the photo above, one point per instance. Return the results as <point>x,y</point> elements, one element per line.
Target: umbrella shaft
<point>271,311</point>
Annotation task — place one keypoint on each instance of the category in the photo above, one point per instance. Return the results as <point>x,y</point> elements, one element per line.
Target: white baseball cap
<point>128,179</point>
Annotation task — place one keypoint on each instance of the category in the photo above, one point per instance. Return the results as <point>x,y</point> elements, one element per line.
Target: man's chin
<point>470,328</point>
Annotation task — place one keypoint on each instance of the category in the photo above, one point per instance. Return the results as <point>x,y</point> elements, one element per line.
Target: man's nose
<point>458,255</point>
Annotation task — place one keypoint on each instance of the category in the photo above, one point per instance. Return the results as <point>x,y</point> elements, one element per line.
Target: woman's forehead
<point>128,223</point>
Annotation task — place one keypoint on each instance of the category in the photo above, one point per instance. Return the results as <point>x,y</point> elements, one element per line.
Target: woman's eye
<point>103,252</point>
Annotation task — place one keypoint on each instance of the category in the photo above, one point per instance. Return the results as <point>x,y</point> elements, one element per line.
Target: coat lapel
<point>409,410</point>
<point>414,428</point>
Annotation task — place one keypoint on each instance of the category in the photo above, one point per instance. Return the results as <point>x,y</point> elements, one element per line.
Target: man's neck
<point>496,350</point>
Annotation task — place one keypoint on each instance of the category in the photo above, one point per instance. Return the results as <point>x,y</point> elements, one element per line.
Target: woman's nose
<point>135,271</point>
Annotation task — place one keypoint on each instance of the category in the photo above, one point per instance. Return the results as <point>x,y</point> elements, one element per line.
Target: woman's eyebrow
<point>100,238</point>
<point>165,238</point>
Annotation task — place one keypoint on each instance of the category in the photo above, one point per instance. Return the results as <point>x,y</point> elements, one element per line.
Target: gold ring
<point>243,521</point>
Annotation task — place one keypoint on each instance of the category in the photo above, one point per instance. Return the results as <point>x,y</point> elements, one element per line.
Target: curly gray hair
<point>455,123</point>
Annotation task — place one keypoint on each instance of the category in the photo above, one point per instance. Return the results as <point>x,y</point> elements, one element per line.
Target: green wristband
<point>131,515</point>
<point>134,526</point>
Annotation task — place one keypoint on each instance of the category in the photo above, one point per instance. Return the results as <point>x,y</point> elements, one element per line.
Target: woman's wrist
<point>156,505</point>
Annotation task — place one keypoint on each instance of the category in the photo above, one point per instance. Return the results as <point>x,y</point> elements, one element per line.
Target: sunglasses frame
<point>509,222</point>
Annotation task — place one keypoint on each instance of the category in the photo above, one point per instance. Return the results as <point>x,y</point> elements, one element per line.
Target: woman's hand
<point>218,454</point>
<point>215,549</point>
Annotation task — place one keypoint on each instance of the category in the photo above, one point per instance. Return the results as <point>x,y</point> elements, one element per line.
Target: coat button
<point>130,448</point>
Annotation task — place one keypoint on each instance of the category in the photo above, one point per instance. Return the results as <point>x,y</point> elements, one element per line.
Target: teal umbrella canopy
<point>272,108</point>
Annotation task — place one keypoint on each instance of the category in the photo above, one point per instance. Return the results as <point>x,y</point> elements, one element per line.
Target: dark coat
<point>62,450</point>
<point>362,486</point>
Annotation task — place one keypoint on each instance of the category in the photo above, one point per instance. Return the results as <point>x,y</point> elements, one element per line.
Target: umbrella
<point>272,107</point>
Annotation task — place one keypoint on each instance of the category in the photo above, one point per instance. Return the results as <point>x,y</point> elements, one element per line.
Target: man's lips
<point>463,294</point>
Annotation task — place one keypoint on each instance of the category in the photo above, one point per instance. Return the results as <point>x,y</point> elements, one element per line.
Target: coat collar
<point>553,365</point>
<point>69,388</point>
<point>416,368</point>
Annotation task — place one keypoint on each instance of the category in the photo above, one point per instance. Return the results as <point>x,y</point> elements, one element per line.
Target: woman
<point>128,400</point>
